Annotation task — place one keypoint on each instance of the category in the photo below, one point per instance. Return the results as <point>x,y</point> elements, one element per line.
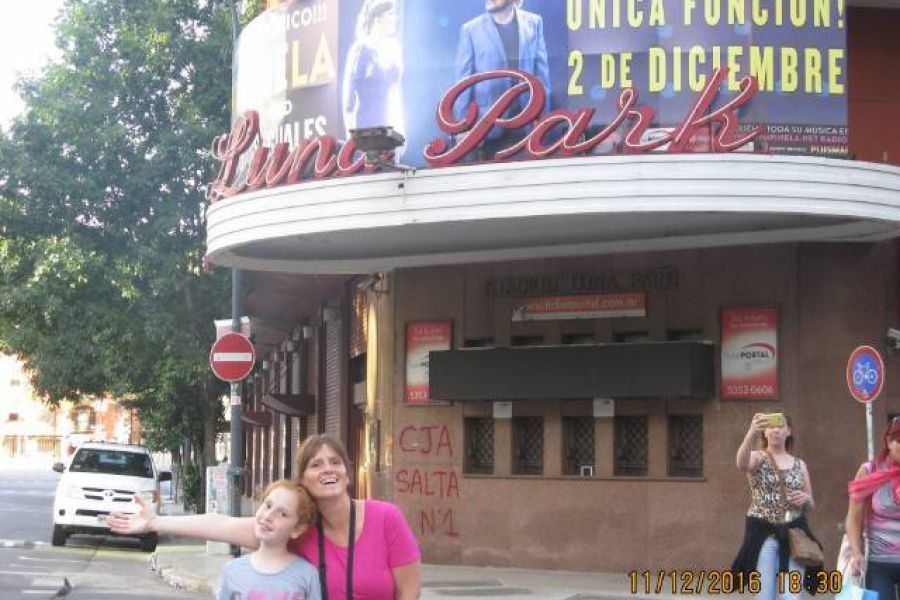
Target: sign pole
<point>236,462</point>
<point>870,436</point>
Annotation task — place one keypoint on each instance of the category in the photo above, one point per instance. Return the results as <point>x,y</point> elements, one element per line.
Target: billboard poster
<point>749,353</point>
<point>286,68</point>
<point>422,338</point>
<point>318,67</point>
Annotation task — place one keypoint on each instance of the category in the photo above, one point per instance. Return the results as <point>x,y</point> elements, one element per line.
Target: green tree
<point>102,188</point>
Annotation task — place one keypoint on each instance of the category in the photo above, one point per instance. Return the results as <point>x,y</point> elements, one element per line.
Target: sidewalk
<point>184,563</point>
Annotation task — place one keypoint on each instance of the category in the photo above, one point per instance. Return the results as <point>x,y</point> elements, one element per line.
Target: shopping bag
<point>843,559</point>
<point>854,587</point>
<point>853,591</point>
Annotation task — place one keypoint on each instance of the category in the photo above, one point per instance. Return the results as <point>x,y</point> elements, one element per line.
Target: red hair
<point>891,433</point>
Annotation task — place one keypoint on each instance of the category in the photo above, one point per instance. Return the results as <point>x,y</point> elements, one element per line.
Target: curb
<point>170,575</point>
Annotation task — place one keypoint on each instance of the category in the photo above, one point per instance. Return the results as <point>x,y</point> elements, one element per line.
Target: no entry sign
<point>232,357</point>
<point>865,373</point>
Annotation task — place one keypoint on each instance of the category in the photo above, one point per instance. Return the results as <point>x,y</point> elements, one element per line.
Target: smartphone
<point>774,419</point>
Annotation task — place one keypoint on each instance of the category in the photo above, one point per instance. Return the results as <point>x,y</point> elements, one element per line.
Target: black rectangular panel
<point>639,370</point>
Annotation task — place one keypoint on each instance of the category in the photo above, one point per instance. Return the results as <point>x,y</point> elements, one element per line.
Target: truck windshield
<point>113,462</point>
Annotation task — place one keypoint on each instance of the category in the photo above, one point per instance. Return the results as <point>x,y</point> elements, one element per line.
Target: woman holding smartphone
<point>780,492</point>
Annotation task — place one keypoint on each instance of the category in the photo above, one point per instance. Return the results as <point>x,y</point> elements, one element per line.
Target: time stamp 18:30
<point>676,582</point>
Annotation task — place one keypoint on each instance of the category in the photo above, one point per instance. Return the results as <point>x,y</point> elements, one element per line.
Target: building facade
<point>33,431</point>
<point>540,358</point>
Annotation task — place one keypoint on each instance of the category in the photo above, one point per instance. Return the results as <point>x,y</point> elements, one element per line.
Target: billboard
<point>317,67</point>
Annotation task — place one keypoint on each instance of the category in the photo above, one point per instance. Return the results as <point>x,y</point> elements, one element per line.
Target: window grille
<point>685,446</point>
<point>631,446</point>
<point>479,445</point>
<point>527,445</point>
<point>578,444</point>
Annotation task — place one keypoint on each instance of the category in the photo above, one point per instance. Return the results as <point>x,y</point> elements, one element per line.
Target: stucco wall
<point>830,298</point>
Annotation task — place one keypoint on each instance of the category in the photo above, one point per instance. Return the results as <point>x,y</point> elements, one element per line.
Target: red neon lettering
<point>323,156</point>
<point>573,124</point>
<point>228,149</point>
<point>438,153</point>
<point>272,167</point>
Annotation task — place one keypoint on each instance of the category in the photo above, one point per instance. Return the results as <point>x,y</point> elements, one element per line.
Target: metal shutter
<point>334,369</point>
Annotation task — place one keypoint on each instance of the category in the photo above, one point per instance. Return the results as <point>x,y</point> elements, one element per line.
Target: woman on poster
<point>370,93</point>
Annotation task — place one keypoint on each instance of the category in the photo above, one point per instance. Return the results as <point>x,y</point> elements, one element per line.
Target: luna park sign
<point>560,133</point>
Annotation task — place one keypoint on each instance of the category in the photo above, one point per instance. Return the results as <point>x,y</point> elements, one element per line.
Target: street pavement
<point>99,567</point>
<point>186,564</point>
<point>86,568</point>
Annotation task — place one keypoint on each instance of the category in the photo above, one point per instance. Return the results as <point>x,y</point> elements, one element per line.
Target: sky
<point>26,43</point>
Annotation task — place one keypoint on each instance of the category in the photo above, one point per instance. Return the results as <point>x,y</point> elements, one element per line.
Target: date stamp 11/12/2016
<point>676,582</point>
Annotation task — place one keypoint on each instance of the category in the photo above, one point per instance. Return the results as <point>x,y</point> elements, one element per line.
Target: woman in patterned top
<point>772,510</point>
<point>875,509</point>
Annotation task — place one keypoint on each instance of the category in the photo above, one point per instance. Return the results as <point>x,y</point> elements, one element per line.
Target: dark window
<point>631,337</point>
<point>527,445</point>
<point>479,343</point>
<point>685,446</point>
<point>577,338</point>
<point>479,444</point>
<point>527,340</point>
<point>631,446</point>
<point>578,446</point>
<point>13,417</point>
<point>358,368</point>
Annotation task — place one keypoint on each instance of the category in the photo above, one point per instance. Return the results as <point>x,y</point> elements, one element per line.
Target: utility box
<point>218,501</point>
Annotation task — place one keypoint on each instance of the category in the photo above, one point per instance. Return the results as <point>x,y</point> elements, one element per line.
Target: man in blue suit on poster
<point>504,37</point>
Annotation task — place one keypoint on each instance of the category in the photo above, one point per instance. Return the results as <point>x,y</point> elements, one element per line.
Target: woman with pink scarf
<point>875,509</point>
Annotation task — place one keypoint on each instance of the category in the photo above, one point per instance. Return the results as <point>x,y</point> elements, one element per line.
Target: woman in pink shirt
<point>874,513</point>
<point>364,549</point>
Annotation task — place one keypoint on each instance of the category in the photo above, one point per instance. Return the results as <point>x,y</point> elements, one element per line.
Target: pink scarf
<point>862,488</point>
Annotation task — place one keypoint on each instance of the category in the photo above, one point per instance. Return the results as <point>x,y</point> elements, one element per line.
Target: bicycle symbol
<point>864,373</point>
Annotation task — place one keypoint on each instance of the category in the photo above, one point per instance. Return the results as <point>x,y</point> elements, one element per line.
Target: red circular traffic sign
<point>232,357</point>
<point>865,373</point>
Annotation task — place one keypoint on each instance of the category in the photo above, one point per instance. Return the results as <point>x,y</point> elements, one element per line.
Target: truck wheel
<point>148,543</point>
<point>59,536</point>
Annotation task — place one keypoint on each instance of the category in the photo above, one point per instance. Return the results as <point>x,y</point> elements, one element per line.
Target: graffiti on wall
<point>435,483</point>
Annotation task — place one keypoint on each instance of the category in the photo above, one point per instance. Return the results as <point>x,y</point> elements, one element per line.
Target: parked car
<point>99,479</point>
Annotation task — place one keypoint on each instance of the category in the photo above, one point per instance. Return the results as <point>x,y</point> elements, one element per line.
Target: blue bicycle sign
<point>865,374</point>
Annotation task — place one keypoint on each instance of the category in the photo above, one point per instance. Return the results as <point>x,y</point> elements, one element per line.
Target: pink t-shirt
<point>386,542</point>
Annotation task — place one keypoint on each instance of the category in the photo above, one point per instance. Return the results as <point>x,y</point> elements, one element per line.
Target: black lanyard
<point>322,570</point>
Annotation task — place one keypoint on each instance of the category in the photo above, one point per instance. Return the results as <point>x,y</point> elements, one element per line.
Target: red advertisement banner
<point>749,353</point>
<point>422,338</point>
